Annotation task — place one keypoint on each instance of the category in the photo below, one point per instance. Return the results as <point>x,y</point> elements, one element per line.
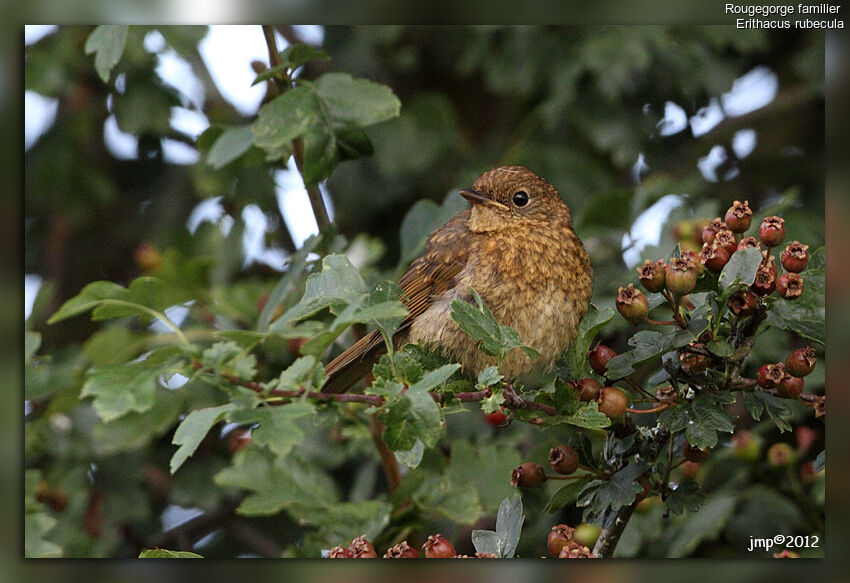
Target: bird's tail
<point>355,363</point>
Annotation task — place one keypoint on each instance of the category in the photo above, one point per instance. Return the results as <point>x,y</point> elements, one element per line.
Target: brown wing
<point>428,277</point>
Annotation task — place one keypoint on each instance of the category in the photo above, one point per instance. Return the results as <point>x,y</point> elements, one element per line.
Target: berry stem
<point>661,322</point>
<point>655,409</point>
<point>674,305</point>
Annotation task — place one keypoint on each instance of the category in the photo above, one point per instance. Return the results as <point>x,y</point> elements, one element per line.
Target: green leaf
<point>480,324</point>
<point>167,554</point>
<point>777,409</point>
<point>457,502</point>
<point>36,526</point>
<point>285,118</point>
<point>32,341</point>
<point>620,489</point>
<point>489,376</point>
<point>686,496</point>
<point>565,495</point>
<point>814,276</point>
<point>359,101</point>
<point>233,142</point>
<point>291,58</point>
<point>287,283</point>
<point>742,267</point>
<point>192,431</point>
<point>415,414</point>
<point>413,456</point>
<point>592,322</point>
<point>107,41</point>
<point>587,415</point>
<point>278,429</point>
<point>707,419</point>
<point>335,287</point>
<point>504,540</point>
<point>800,316</point>
<point>720,348</point>
<point>674,419</point>
<point>477,464</point>
<point>706,524</point>
<point>120,389</point>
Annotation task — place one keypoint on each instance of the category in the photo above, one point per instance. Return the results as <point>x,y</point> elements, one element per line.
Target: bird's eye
<point>520,198</point>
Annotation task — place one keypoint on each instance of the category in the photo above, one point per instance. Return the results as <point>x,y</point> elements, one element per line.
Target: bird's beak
<point>477,197</point>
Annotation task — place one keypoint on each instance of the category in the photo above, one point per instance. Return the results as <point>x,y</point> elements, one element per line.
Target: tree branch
<point>610,535</point>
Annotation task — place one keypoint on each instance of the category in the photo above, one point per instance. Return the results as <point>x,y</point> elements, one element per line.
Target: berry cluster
<point>565,542</point>
<point>787,377</point>
<point>436,547</point>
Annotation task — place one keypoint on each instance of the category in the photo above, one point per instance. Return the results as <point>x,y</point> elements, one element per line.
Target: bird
<point>516,247</point>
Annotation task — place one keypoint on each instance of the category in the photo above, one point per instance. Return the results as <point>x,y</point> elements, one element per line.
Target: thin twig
<point>388,461</point>
<point>655,409</point>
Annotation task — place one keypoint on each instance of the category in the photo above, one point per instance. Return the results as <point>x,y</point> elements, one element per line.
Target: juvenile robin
<point>516,247</point>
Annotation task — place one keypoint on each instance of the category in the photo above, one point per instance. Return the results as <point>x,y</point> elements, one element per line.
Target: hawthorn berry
<point>560,537</point>
<point>714,256</point>
<point>780,455</point>
<point>765,280</point>
<point>667,394</point>
<point>770,375</point>
<point>599,357</point>
<point>586,534</point>
<point>790,387</point>
<point>563,459</point>
<point>632,304</point>
<point>588,389</point>
<point>651,275</point>
<point>789,286</point>
<point>739,217</point>
<point>695,454</point>
<point>795,257</point>
<point>528,475</point>
<point>339,552</point>
<point>401,551</point>
<point>576,551</point>
<point>726,239</point>
<point>801,362</point>
<point>746,446</point>
<point>711,229</point>
<point>689,470</point>
<point>743,303</point>
<point>772,231</point>
<point>148,257</point>
<point>681,275</point>
<point>362,549</point>
<point>613,402</point>
<point>805,437</point>
<point>496,418</point>
<point>436,547</point>
<point>748,243</point>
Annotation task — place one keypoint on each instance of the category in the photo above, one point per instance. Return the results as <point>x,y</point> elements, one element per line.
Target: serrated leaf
<point>686,496</point>
<point>285,118</point>
<point>167,554</point>
<point>742,267</point>
<point>814,276</point>
<point>504,540</point>
<point>799,316</point>
<point>592,322</point>
<point>777,409</point>
<point>704,525</point>
<point>278,429</point>
<point>231,144</point>
<point>588,416</point>
<point>415,414</point>
<point>192,431</point>
<point>674,419</point>
<point>479,323</point>
<point>413,456</point>
<point>720,348</point>
<point>621,488</point>
<point>120,389</point>
<point>107,41</point>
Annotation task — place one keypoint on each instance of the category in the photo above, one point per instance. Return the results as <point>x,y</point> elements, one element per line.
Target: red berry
<point>739,217</point>
<point>726,239</point>
<point>772,231</point>
<point>748,243</point>
<point>148,257</point>
<point>339,552</point>
<point>436,547</point>
<point>795,257</point>
<point>563,459</point>
<point>613,402</point>
<point>599,357</point>
<point>805,437</point>
<point>681,275</point>
<point>651,275</point>
<point>689,470</point>
<point>560,537</point>
<point>695,454</point>
<point>790,387</point>
<point>692,257</point>
<point>528,475</point>
<point>765,280</point>
<point>714,256</point>
<point>789,286</point>
<point>588,389</point>
<point>632,304</point>
<point>575,550</point>
<point>801,362</point>
<point>743,303</point>
<point>362,549</point>
<point>711,229</point>
<point>401,551</point>
<point>780,455</point>
<point>770,375</point>
<point>496,418</point>
<point>746,446</point>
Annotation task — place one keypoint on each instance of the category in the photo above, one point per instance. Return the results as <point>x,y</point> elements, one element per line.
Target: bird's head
<point>511,196</point>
